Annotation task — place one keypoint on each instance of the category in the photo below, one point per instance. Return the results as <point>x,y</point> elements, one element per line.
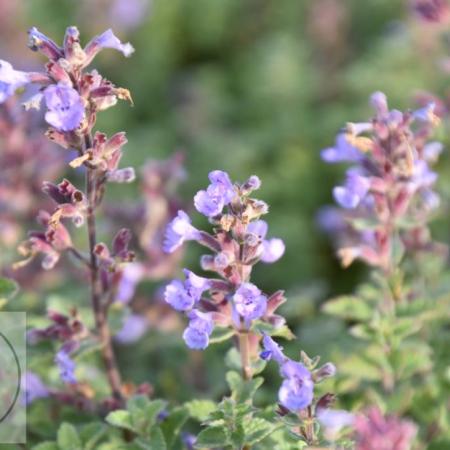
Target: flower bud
<point>252,184</point>
<point>326,371</point>
<point>126,175</point>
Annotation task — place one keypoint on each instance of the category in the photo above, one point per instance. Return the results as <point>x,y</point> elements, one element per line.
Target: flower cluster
<point>70,331</point>
<point>239,242</point>
<point>388,195</point>
<point>431,10</point>
<point>73,96</point>
<point>374,430</point>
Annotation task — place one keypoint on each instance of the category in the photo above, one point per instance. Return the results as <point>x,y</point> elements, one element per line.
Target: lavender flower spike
<point>196,335</point>
<point>178,231</point>
<point>10,80</point>
<point>65,107</point>
<point>249,302</point>
<point>66,367</point>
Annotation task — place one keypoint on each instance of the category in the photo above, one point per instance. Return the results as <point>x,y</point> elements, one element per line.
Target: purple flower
<point>218,194</point>
<point>354,191</point>
<point>10,80</point>
<point>342,151</point>
<point>297,389</point>
<point>39,41</point>
<point>209,203</point>
<point>178,297</point>
<point>134,327</point>
<point>183,296</point>
<point>258,227</point>
<point>196,335</point>
<point>273,249</point>
<point>65,107</point>
<point>128,14</point>
<point>272,350</point>
<point>178,231</point>
<point>33,388</point>
<point>66,367</point>
<point>249,302</point>
<point>333,420</point>
<point>422,175</point>
<point>131,275</point>
<point>432,151</point>
<point>108,40</point>
<point>378,101</point>
<point>221,182</point>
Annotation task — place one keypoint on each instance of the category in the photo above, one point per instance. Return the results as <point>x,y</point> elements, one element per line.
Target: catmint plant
<point>231,305</point>
<point>72,95</point>
<point>384,207</point>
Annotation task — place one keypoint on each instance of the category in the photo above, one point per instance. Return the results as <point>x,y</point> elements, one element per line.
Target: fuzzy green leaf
<point>200,409</point>
<point>120,418</point>
<point>68,438</point>
<point>212,437</point>
<point>257,429</point>
<point>171,427</point>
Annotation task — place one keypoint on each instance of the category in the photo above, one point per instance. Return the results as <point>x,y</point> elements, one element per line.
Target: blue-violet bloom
<point>178,231</point>
<point>249,302</point>
<point>10,80</point>
<point>65,107</point>
<point>66,367</point>
<point>196,335</point>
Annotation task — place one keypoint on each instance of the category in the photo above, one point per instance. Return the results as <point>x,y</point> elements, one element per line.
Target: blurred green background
<point>250,87</point>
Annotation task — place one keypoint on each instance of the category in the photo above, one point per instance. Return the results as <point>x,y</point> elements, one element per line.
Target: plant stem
<point>100,317</point>
<point>244,350</point>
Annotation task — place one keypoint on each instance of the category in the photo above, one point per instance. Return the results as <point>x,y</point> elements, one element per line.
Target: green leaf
<point>46,446</point>
<point>221,334</point>
<point>157,441</point>
<point>8,288</point>
<point>68,438</point>
<point>91,434</point>
<point>349,307</point>
<point>200,409</point>
<point>171,427</point>
<point>237,436</point>
<point>212,437</point>
<point>242,390</point>
<point>257,429</point>
<point>144,412</point>
<point>121,418</point>
<point>271,330</point>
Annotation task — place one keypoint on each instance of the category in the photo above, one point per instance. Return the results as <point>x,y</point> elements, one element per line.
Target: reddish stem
<point>100,317</point>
